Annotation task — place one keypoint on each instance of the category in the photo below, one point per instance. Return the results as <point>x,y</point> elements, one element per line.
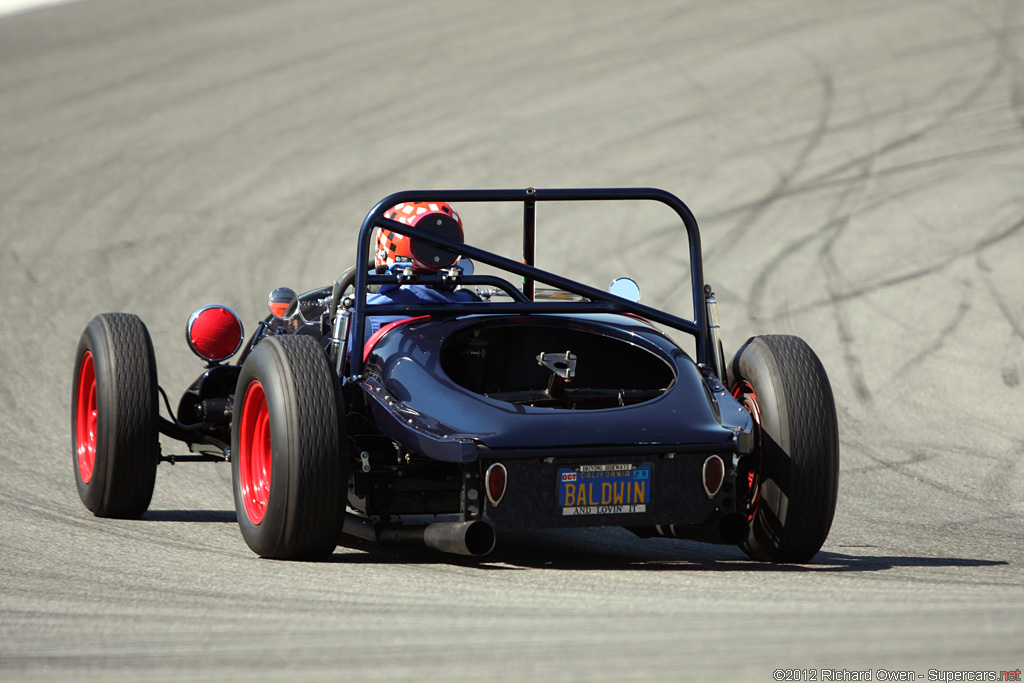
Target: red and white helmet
<point>437,217</point>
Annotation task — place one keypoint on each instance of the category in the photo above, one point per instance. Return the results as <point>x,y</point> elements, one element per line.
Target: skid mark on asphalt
<point>1010,371</point>
<point>834,281</point>
<point>914,467</point>
<point>940,338</point>
<point>995,237</point>
<point>865,169</point>
<point>1006,38</point>
<point>782,185</point>
<point>838,175</point>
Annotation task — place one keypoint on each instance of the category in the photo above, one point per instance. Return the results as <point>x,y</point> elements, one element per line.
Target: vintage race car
<point>542,404</point>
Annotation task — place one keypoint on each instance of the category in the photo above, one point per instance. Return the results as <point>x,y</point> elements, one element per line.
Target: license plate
<point>604,489</point>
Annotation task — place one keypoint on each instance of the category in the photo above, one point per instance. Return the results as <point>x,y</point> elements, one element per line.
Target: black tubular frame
<point>600,301</point>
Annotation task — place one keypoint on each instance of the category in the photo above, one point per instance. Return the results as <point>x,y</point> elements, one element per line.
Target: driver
<point>395,253</point>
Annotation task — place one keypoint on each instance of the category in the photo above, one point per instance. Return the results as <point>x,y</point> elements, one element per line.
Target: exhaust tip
<point>474,538</point>
<point>480,539</point>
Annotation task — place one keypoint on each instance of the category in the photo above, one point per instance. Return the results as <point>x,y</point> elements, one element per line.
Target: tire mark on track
<point>828,179</point>
<point>836,226</point>
<point>793,247</point>
<point>786,188</point>
<point>782,186</point>
<point>940,338</point>
<point>1010,372</point>
<point>835,229</point>
<point>872,450</point>
<point>1003,39</point>
<point>878,285</point>
<point>865,165</point>
<point>836,175</point>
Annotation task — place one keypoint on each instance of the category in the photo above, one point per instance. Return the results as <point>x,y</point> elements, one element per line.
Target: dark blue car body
<point>457,388</point>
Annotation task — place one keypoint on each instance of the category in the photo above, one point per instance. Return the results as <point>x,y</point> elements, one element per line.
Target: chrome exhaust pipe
<point>462,538</point>
<point>475,538</point>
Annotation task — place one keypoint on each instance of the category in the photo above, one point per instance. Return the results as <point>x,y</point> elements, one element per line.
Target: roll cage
<point>523,302</point>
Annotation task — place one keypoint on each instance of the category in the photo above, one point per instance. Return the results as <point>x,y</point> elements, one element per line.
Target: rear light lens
<point>214,333</point>
<point>713,474</point>
<point>495,482</point>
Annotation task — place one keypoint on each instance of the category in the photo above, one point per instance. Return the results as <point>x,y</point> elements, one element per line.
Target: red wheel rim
<point>85,418</point>
<point>748,475</point>
<point>254,453</point>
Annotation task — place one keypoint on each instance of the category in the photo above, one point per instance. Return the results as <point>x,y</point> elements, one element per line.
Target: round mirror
<point>626,288</point>
<point>283,303</point>
<point>467,266</point>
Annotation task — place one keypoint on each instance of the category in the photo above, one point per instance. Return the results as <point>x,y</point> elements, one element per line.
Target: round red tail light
<point>495,482</point>
<point>214,333</point>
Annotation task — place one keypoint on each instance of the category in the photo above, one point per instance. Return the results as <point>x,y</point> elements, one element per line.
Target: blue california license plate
<point>604,489</point>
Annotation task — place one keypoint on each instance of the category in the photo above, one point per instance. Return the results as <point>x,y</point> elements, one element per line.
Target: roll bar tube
<point>530,274</point>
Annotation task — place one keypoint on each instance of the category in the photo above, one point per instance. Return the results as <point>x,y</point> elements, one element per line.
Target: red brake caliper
<point>744,393</point>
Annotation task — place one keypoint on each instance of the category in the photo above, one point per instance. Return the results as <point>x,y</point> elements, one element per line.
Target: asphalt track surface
<point>857,170</point>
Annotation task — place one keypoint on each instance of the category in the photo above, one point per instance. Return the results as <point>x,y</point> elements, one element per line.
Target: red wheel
<point>255,454</point>
<point>748,482</point>
<point>85,419</point>
<point>115,445</point>
<point>288,467</point>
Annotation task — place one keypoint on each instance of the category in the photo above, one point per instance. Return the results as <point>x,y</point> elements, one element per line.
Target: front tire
<point>286,441</point>
<point>794,478</point>
<point>114,435</point>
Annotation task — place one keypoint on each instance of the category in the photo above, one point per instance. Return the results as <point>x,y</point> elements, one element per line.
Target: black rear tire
<point>114,433</point>
<point>288,471</point>
<point>796,460</point>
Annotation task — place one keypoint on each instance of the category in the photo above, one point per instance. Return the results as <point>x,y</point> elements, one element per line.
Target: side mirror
<point>625,288</point>
<point>283,303</point>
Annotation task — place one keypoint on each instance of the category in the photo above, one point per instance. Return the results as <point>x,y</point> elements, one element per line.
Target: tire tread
<point>303,523</point>
<point>807,409</point>
<point>126,394</point>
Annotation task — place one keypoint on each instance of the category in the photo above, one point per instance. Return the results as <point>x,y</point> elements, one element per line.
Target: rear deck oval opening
<point>548,366</point>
